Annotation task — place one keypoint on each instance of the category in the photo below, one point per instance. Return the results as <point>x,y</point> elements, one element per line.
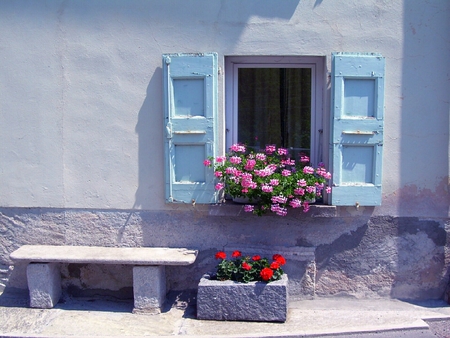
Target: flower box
<point>253,301</point>
<point>270,179</point>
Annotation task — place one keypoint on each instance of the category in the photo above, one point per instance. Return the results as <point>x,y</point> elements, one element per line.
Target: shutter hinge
<point>169,130</point>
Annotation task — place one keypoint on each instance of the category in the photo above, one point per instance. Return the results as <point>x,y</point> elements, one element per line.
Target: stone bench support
<point>149,279</point>
<point>44,283</point>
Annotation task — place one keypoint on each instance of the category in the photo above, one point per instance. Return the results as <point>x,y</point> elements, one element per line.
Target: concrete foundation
<point>361,256</point>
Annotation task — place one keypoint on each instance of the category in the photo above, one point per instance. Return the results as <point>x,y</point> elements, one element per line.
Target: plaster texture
<point>82,144</point>
<point>84,102</point>
<point>254,301</point>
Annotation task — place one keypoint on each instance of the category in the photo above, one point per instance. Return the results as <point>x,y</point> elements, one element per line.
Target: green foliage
<point>246,269</point>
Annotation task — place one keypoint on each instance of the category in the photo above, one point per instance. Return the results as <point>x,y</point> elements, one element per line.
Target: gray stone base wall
<point>359,256</point>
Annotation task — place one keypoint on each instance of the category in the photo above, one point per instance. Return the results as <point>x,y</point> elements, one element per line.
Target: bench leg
<point>44,284</point>
<point>149,287</point>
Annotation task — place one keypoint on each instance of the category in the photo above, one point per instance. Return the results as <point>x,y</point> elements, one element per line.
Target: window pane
<point>274,107</point>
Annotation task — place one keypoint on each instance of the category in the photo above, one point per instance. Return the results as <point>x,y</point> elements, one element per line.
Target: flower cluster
<point>249,269</point>
<point>270,179</point>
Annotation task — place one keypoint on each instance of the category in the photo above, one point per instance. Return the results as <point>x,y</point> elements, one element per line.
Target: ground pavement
<point>321,317</point>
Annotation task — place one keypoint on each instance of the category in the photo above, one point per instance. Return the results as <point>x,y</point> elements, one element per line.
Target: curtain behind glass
<point>274,107</point>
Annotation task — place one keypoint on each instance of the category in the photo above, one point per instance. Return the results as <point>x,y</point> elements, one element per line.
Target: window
<point>275,100</point>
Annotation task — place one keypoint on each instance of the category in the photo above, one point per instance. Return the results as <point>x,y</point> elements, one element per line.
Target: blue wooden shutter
<point>190,114</point>
<point>357,107</point>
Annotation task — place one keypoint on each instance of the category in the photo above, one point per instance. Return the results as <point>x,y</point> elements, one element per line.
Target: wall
<point>81,143</point>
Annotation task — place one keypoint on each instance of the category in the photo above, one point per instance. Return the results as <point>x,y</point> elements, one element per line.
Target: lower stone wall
<point>358,256</point>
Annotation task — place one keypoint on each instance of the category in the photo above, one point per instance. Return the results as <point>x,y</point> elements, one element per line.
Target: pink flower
<point>218,173</point>
<point>231,171</point>
<point>219,186</point>
<point>301,183</point>
<point>305,206</point>
<point>299,191</point>
<point>280,211</point>
<point>206,163</point>
<point>286,172</point>
<point>261,156</point>
<point>295,203</point>
<point>246,176</point>
<point>249,208</point>
<point>328,190</point>
<point>282,151</point>
<point>250,165</point>
<point>235,159</point>
<point>310,189</point>
<point>266,188</point>
<point>288,162</point>
<point>270,149</point>
<point>308,170</point>
<point>274,182</point>
<point>279,199</point>
<point>221,159</point>
<point>238,148</point>
<point>304,159</point>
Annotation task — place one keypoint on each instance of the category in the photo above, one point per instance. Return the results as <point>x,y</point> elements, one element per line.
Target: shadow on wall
<point>150,133</point>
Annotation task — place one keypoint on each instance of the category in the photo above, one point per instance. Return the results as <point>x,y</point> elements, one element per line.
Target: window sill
<point>230,208</point>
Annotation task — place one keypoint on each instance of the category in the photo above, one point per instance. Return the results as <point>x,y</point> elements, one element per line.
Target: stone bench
<point>149,280</point>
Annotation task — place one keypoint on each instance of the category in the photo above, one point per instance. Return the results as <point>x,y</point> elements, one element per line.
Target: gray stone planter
<point>254,301</point>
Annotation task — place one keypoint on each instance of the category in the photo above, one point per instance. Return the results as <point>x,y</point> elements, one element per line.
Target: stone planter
<point>254,301</point>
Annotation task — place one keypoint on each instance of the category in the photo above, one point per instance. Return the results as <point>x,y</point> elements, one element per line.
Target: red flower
<point>279,259</point>
<point>246,266</point>
<point>274,265</point>
<point>236,254</point>
<point>256,258</point>
<point>266,274</point>
<point>221,255</point>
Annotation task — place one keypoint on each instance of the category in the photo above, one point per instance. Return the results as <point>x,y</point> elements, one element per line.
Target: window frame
<point>317,66</point>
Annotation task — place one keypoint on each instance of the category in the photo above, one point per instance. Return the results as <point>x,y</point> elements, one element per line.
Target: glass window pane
<point>274,107</point>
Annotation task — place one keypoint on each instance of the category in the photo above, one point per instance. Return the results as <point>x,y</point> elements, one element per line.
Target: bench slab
<point>149,281</point>
<point>104,255</point>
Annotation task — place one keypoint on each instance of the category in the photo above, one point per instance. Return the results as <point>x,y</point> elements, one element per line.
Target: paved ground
<point>324,317</point>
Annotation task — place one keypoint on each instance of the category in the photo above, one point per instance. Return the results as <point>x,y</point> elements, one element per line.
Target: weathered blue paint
<point>357,128</point>
<point>190,115</point>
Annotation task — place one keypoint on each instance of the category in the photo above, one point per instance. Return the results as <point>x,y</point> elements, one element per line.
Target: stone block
<point>149,288</point>
<point>254,301</point>
<point>44,284</point>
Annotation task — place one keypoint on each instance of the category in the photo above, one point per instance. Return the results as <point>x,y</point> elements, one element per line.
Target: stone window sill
<point>230,208</point>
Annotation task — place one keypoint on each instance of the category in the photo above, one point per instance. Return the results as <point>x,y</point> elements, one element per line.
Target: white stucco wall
<point>81,90</point>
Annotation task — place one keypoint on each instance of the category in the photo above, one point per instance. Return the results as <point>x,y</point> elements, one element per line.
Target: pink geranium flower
<point>270,178</point>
